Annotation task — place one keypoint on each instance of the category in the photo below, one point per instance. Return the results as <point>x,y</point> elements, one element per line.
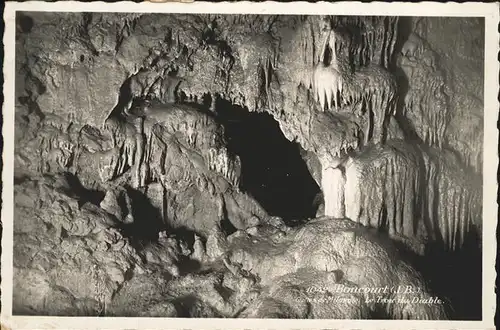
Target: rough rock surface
<point>72,259</point>
<point>451,84</point>
<point>129,198</point>
<point>308,273</point>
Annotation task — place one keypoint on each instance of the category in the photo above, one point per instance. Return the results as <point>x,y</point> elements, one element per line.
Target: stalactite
<point>457,201</point>
<point>389,195</point>
<point>327,86</point>
<point>384,187</point>
<point>327,80</point>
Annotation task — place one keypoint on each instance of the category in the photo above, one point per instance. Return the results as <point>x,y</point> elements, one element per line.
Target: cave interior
<point>209,165</point>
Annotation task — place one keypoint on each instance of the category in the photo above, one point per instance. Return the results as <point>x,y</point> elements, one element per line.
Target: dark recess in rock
<point>148,221</point>
<point>25,23</point>
<point>272,169</point>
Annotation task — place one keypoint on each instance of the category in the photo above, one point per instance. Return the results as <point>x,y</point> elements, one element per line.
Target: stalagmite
<point>332,183</point>
<point>352,193</point>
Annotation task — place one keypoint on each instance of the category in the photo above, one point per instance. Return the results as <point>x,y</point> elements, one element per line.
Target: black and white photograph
<point>248,164</point>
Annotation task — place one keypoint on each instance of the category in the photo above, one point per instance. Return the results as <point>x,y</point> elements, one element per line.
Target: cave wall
<point>97,48</point>
<point>336,85</point>
<point>452,71</point>
<point>133,127</point>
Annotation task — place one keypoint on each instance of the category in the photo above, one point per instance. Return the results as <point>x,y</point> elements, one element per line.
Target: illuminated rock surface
<point>221,166</point>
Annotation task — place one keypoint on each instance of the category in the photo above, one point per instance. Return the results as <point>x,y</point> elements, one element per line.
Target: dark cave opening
<point>24,23</point>
<point>148,221</point>
<point>273,171</point>
<point>453,276</point>
<point>448,276</point>
<point>85,195</point>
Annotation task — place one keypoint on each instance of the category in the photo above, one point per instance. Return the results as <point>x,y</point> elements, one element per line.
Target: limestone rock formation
<point>314,271</point>
<point>136,193</point>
